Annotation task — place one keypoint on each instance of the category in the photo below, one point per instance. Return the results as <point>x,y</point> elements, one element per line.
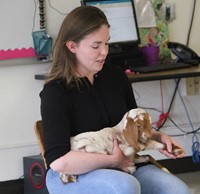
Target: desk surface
<point>172,74</point>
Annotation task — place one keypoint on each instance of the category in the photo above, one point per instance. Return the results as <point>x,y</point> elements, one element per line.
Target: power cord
<point>191,23</point>
<point>34,15</point>
<point>195,140</point>
<point>196,144</point>
<point>55,9</point>
<point>178,127</point>
<point>164,116</point>
<point>195,149</point>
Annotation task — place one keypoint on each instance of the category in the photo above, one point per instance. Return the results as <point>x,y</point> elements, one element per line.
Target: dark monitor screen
<point>121,17</point>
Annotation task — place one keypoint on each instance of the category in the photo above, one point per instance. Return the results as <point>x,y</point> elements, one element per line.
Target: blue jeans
<point>146,180</point>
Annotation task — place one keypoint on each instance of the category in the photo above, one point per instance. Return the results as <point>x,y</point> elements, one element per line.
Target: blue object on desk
<point>42,43</point>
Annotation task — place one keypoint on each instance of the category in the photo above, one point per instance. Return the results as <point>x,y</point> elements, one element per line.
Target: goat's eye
<point>141,128</point>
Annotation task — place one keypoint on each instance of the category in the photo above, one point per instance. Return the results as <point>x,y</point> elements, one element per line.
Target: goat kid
<point>134,133</point>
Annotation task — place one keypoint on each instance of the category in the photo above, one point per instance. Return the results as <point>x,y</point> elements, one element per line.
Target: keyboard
<point>158,68</point>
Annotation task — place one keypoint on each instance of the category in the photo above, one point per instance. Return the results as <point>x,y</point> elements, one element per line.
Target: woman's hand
<point>172,148</point>
<point>120,161</point>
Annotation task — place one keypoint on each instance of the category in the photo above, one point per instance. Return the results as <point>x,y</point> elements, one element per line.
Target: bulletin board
<point>18,18</point>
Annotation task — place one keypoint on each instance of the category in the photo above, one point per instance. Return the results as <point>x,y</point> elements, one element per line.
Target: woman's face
<point>91,52</point>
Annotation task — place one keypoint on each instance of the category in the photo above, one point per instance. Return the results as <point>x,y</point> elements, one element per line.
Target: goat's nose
<point>146,137</point>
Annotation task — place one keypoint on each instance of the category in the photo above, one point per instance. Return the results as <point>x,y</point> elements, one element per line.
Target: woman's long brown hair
<point>77,24</point>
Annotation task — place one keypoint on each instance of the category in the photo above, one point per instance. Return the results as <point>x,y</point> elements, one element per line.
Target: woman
<point>84,94</point>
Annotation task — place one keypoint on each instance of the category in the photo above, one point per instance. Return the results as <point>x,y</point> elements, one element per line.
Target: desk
<point>179,73</point>
<point>172,74</point>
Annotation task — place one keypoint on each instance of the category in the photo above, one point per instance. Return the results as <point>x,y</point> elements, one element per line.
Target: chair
<point>39,134</point>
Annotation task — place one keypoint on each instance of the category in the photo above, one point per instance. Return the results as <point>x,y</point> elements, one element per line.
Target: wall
<point>178,29</point>
<point>16,41</point>
<point>19,100</point>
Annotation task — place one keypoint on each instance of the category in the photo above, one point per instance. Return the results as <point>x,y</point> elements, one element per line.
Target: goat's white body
<point>100,142</point>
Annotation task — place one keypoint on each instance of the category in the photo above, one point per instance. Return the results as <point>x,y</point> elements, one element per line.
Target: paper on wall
<point>145,14</point>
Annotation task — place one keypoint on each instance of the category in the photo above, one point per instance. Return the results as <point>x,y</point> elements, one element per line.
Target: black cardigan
<point>69,111</point>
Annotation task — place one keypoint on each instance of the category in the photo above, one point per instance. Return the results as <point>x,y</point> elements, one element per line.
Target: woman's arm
<point>169,143</point>
<point>77,162</point>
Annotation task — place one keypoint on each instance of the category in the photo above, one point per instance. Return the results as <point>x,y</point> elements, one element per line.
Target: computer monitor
<point>121,17</point>
<point>124,33</point>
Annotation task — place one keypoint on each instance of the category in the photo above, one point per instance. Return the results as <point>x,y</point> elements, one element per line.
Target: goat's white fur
<point>102,141</point>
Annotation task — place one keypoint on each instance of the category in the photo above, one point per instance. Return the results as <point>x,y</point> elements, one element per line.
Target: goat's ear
<point>131,133</point>
<point>147,119</point>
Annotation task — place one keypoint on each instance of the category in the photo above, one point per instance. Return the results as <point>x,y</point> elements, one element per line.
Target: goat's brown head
<point>138,128</point>
<point>144,128</point>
